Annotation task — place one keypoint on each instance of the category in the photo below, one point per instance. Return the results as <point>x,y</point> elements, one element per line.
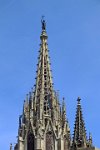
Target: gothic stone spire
<point>41,111</point>
<point>44,95</point>
<point>79,139</point>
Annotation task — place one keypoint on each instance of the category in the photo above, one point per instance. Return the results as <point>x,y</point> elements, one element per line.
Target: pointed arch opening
<point>50,141</point>
<point>30,141</point>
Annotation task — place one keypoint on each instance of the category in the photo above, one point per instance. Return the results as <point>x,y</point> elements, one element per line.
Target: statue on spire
<point>43,23</point>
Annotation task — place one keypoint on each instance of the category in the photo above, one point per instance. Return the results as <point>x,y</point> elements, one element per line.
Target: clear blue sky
<point>73,27</point>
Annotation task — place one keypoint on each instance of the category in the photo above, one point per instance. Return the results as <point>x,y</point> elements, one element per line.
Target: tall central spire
<point>44,94</point>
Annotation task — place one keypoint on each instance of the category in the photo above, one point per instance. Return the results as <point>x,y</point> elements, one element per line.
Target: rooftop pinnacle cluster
<point>43,124</point>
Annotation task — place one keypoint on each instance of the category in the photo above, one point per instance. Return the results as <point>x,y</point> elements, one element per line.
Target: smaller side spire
<point>79,138</point>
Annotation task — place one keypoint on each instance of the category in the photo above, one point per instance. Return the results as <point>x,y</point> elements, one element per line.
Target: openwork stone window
<point>49,141</point>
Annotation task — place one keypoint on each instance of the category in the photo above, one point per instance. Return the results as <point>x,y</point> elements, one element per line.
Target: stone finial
<point>90,138</point>
<point>10,146</point>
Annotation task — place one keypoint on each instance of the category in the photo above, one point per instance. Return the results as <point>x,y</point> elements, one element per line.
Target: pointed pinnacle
<point>63,105</point>
<point>10,146</point>
<point>90,136</point>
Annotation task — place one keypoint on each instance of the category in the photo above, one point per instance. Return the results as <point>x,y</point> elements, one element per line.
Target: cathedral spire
<point>79,139</point>
<point>44,86</point>
<point>43,124</point>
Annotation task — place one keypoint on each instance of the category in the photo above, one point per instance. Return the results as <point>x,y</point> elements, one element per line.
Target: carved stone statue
<point>43,24</point>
